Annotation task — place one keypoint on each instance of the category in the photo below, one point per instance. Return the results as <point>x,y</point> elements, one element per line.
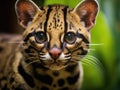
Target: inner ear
<point>25,10</point>
<point>87,11</point>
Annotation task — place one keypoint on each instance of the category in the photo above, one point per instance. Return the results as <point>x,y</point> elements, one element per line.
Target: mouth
<point>55,64</point>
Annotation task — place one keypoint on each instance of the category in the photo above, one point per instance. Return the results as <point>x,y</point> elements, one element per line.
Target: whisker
<point>29,53</point>
<point>33,54</point>
<point>95,44</point>
<point>80,56</point>
<point>93,58</point>
<point>74,60</point>
<point>16,42</point>
<point>91,49</point>
<point>32,62</point>
<point>32,58</point>
<point>93,61</point>
<point>86,62</point>
<point>89,60</point>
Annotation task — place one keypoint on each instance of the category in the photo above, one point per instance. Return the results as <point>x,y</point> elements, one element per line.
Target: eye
<point>40,37</point>
<point>70,37</point>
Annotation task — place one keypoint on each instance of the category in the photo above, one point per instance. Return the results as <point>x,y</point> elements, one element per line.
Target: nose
<point>55,52</point>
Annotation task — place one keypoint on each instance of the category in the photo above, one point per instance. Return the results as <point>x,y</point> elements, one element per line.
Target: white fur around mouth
<point>61,57</point>
<point>45,57</point>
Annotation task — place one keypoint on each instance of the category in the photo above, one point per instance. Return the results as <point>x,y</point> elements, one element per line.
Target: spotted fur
<point>55,39</point>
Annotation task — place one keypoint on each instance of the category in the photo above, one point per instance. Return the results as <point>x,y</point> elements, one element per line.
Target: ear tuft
<point>25,10</point>
<point>87,11</point>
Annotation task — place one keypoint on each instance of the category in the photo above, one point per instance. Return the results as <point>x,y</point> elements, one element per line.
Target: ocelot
<point>47,55</point>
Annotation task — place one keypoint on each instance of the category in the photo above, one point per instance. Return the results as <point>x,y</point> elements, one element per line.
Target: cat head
<point>56,35</point>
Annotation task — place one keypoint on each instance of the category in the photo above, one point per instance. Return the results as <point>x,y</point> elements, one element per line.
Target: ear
<point>87,11</point>
<point>25,10</point>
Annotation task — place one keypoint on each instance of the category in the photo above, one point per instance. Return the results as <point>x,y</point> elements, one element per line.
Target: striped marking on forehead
<point>56,18</point>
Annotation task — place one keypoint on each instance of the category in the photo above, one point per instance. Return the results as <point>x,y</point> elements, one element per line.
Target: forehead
<point>56,19</point>
<point>52,18</point>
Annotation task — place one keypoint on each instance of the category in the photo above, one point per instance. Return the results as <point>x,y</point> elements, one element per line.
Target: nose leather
<point>55,52</point>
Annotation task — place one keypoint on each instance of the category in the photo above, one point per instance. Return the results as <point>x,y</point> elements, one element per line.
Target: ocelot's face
<point>57,35</point>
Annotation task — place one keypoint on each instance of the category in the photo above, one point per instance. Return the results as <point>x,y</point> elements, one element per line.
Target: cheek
<point>70,46</point>
<point>39,46</point>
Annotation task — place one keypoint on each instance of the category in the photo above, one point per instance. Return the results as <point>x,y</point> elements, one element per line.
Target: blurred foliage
<point>102,65</point>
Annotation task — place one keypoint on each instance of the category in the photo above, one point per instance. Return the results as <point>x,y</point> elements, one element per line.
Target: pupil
<point>41,35</point>
<point>70,36</point>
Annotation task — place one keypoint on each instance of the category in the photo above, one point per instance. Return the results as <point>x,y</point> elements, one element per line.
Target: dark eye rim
<point>37,39</point>
<point>72,41</point>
